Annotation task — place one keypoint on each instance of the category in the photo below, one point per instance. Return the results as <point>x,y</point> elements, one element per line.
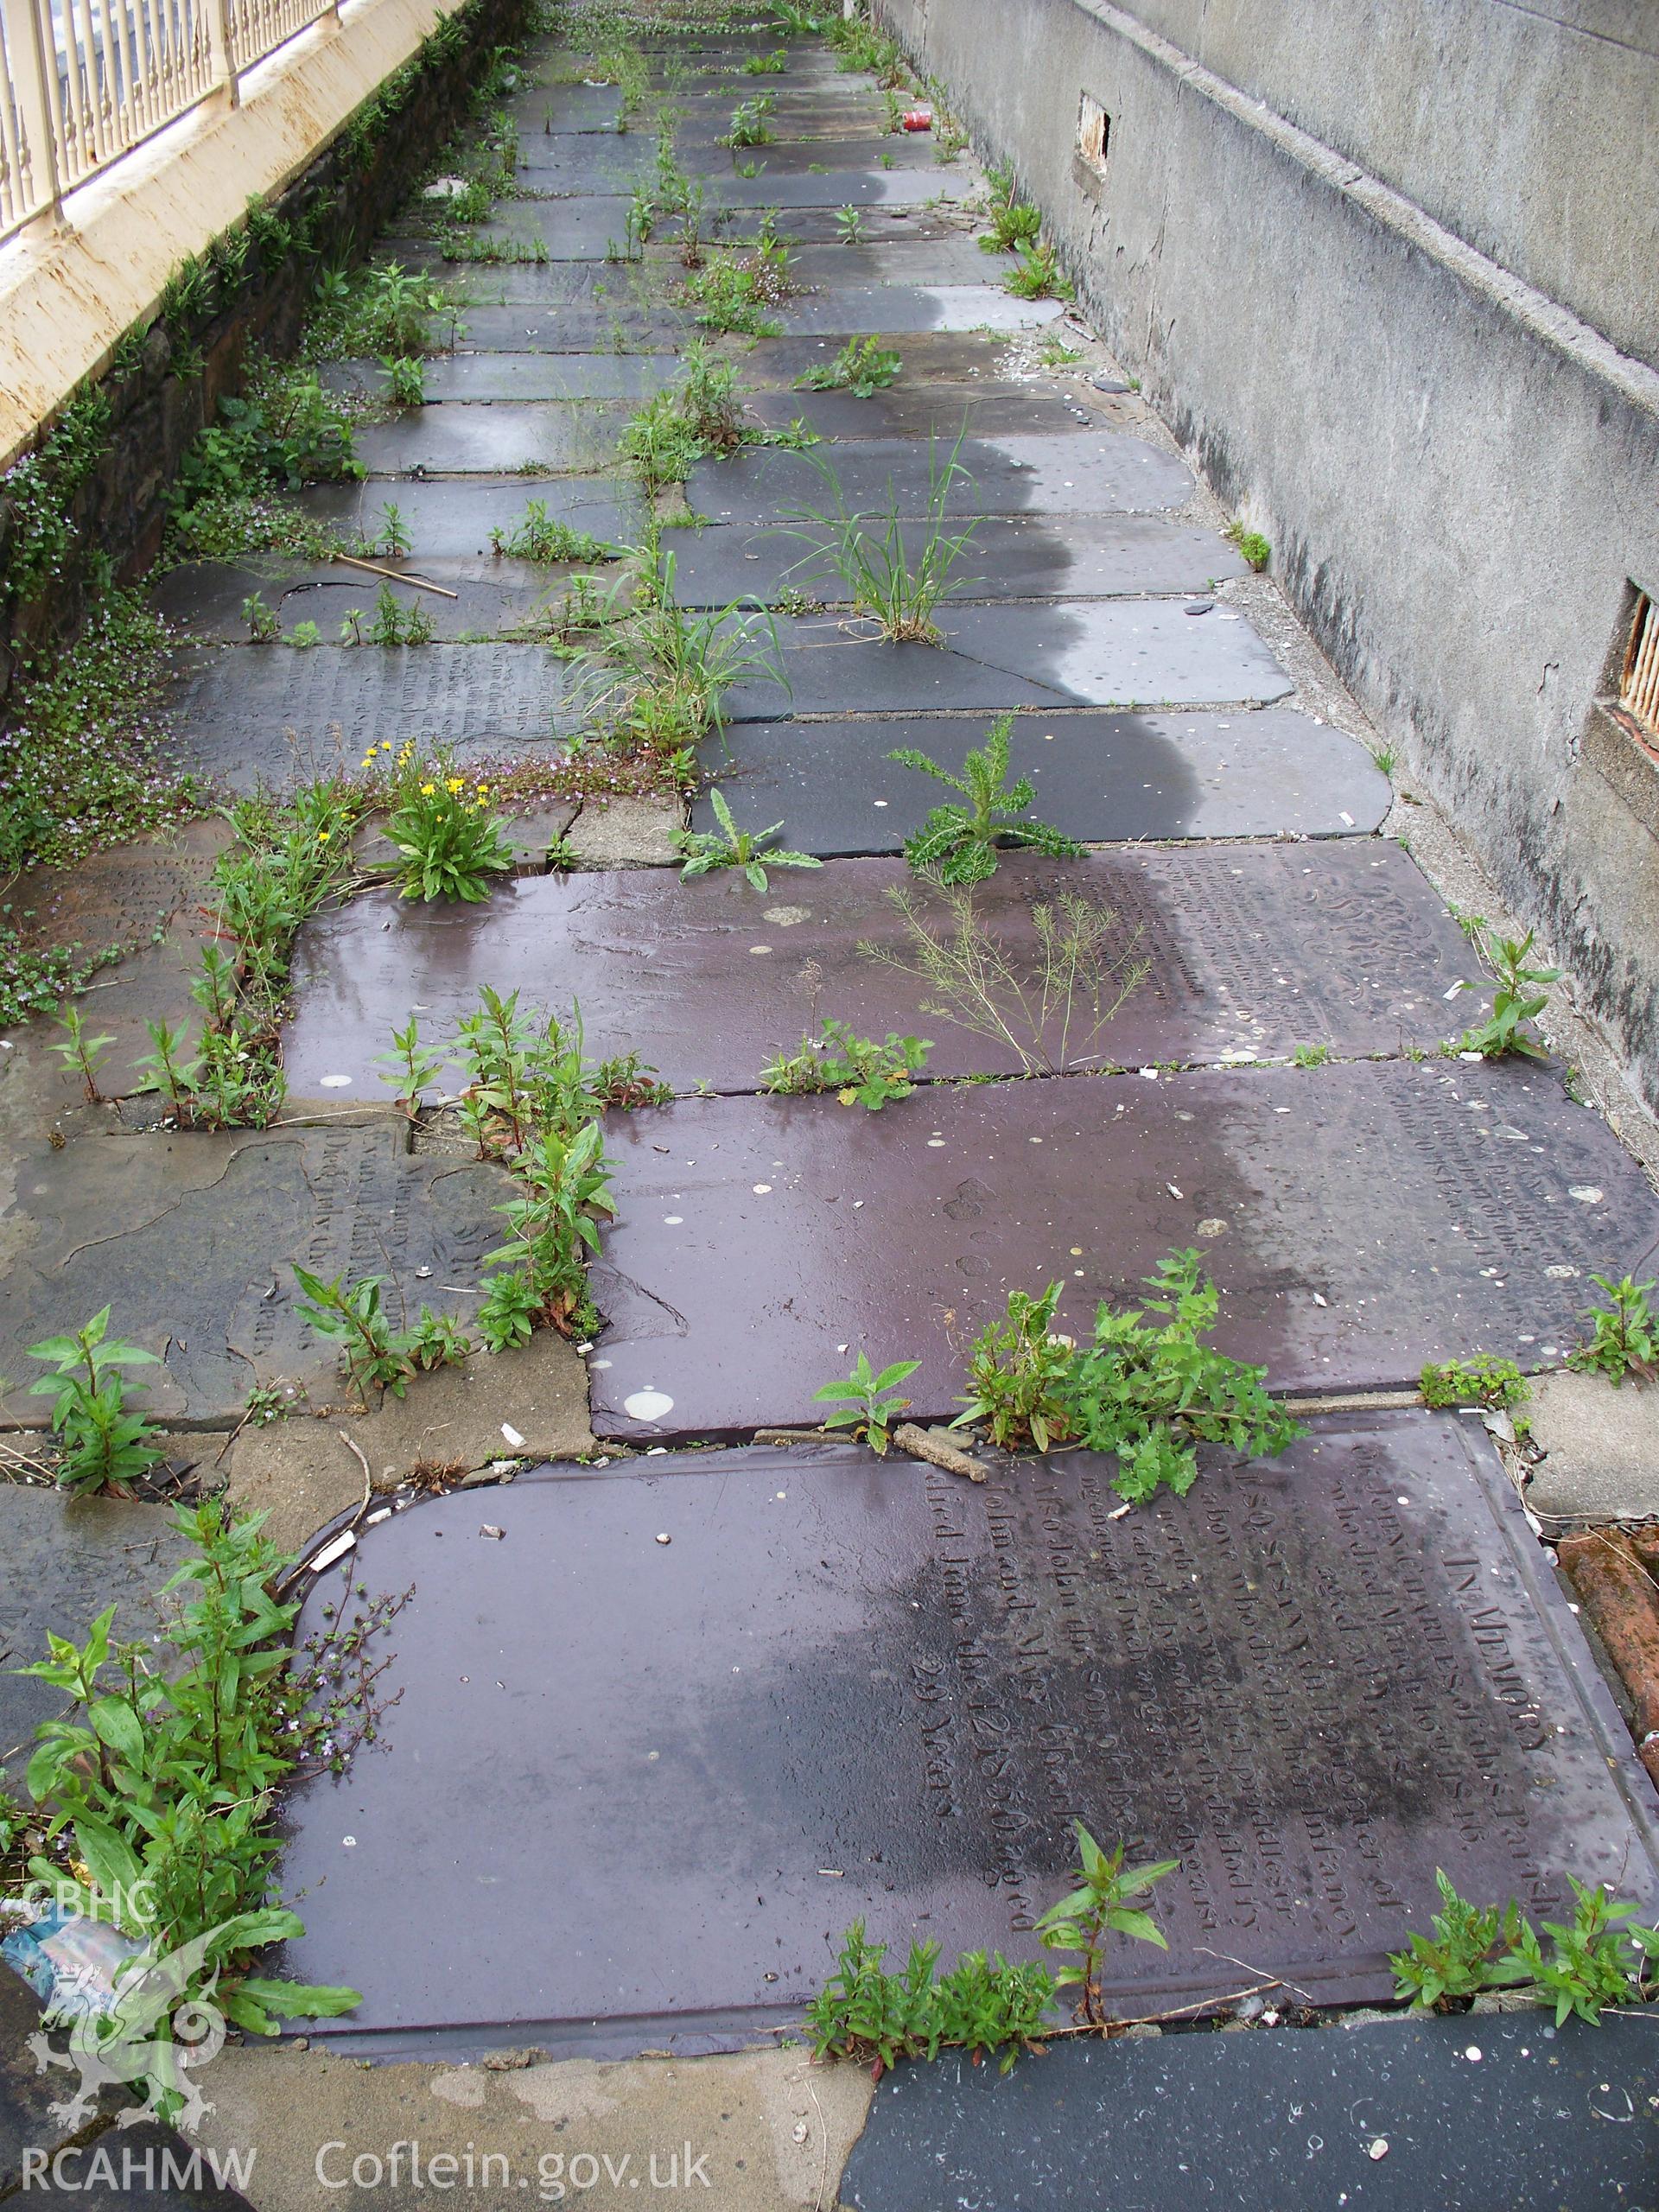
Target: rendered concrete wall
<point>1458,477</point>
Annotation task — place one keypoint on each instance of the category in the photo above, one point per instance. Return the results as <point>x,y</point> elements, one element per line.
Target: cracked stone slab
<point>859,184</point>
<point>853,1651</point>
<point>1358,1219</point>
<point>1079,653</point>
<point>589,288</point>
<point>189,1238</point>
<point>1600,1445</point>
<point>202,599</point>
<point>1083,472</point>
<point>254,714</point>
<point>1484,2113</point>
<point>67,1558</point>
<point>625,833</point>
<point>1251,950</point>
<point>1011,556</point>
<point>451,438</point>
<point>1265,774</point>
<point>886,258</point>
<point>531,1403</point>
<point>452,521</point>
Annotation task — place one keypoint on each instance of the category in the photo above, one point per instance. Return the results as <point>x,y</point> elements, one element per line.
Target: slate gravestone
<point>1359,1219</point>
<point>852,310</point>
<point>1255,948</point>
<point>190,1239</point>
<point>1099,776</point>
<point>548,376</point>
<point>460,440</point>
<point>455,519</point>
<point>1481,2114</point>
<point>1081,472</point>
<point>272,714</point>
<point>848,1688</point>
<point>202,599</point>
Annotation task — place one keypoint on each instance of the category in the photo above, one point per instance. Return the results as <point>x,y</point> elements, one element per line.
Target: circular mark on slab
<point>760,948</point>
<point>335,1082</point>
<point>647,1405</point>
<point>784,917</point>
<point>1587,1194</point>
<point>672,1220</point>
<point>760,1189</point>
<point>1214,1227</point>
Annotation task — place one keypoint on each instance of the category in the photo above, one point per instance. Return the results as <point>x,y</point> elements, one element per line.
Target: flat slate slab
<point>253,714</point>
<point>1083,473</point>
<point>1272,772</point>
<point>852,310</point>
<point>203,599</point>
<point>1483,2113</point>
<point>486,440</point>
<point>910,1686</point>
<point>454,520</point>
<point>921,411</point>
<point>1080,653</point>
<point>1256,948</point>
<point>1359,1219</point>
<point>189,1238</point>
<point>546,376</point>
<point>1011,556</point>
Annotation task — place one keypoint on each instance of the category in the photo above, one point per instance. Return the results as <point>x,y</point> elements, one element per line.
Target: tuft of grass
<point>1251,543</point>
<point>869,554</point>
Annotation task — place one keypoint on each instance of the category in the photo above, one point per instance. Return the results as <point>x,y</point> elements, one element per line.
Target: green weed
<point>1625,1333</point>
<point>1038,276</point>
<point>104,1445</point>
<point>1517,1003</point>
<point>868,1402</point>
<point>539,537</point>
<point>1480,1380</point>
<point>1096,1910</point>
<point>870,555</point>
<point>961,841</point>
<point>861,1071</point>
<point>706,850</point>
<point>979,2005</point>
<point>449,842</point>
<point>1250,542</point>
<point>1597,1959</point>
<point>863,367</point>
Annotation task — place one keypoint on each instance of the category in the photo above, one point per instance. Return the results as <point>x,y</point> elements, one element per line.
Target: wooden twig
<point>395,575</point>
<point>921,1445</point>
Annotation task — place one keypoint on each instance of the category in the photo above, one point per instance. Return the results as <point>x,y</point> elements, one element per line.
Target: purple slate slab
<point>1359,1219</point>
<point>455,519</point>
<point>1258,949</point>
<point>671,1773</point>
<point>1084,472</point>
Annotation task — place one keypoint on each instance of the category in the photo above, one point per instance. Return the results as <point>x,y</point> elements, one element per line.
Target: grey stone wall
<point>1457,474</point>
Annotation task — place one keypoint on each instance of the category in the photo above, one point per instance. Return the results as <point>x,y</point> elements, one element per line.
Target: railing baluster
<point>28,45</point>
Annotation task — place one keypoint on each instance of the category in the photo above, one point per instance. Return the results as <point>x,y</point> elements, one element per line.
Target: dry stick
<point>395,575</point>
<point>921,1445</point>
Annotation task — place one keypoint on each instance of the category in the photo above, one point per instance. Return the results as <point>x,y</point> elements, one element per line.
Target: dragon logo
<point>151,2030</point>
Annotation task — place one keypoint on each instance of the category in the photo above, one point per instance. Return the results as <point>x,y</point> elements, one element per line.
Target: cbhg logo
<point>150,2029</point>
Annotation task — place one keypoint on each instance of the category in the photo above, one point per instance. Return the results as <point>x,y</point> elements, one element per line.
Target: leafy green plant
<point>509,1313</point>
<point>303,636</point>
<point>659,675</point>
<point>850,226</point>
<point>868,1402</point>
<point>374,1355</point>
<point>544,538</point>
<point>870,555</point>
<point>566,1179</point>
<point>103,1444</point>
<point>1625,1333</point>
<point>733,292</point>
<point>706,850</point>
<point>376,312</point>
<point>862,367</point>
<point>1251,543</point>
<point>392,536</point>
<point>1517,1001</point>
<point>982,2005</point>
<point>1017,1368</point>
<point>1597,1959</point>
<point>1471,1949</point>
<point>411,1067</point>
<point>1480,1380</point>
<point>1014,223</point>
<point>80,1053</point>
<point>1096,1910</point>
<point>1150,1389</point>
<point>767,65</point>
<point>390,623</point>
<point>1038,275</point>
<point>961,841</point>
<point>701,413</point>
<point>863,1072</point>
<point>264,624</point>
<point>792,21</point>
<point>750,124</point>
<point>449,842</point>
<point>1046,1001</point>
<point>1310,1056</point>
<point>405,379</point>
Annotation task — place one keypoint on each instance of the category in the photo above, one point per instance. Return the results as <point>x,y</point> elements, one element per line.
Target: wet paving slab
<point>852,310</point>
<point>544,375</point>
<point>452,521</point>
<point>1009,557</point>
<point>491,441</point>
<point>493,596</point>
<point>252,715</point>
<point>1483,2113</point>
<point>1081,472</point>
<point>1255,949</point>
<point>189,1238</point>
<point>1084,652</point>
<point>923,410</point>
<point>1359,1219</point>
<point>911,1686</point>
<point>1268,773</point>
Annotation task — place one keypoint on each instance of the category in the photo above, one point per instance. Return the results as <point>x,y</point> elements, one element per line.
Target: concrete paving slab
<point>452,521</point>
<point>67,1558</point>
<point>1358,1219</point>
<point>1600,1446</point>
<point>487,441</point>
<point>1255,949</point>
<point>1085,472</point>
<point>1266,773</point>
<point>1079,653</point>
<point>249,716</point>
<point>530,1403</point>
<point>767,2130</point>
<point>1484,2114</point>
<point>626,833</point>
<point>855,1652</point>
<point>202,600</point>
<point>190,1238</point>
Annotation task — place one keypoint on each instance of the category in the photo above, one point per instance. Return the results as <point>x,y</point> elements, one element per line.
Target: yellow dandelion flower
<point>323,835</point>
<point>455,783</point>
<point>427,789</point>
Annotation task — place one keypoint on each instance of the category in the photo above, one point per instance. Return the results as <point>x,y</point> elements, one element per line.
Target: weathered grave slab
<point>911,1686</point>
<point>1272,772</point>
<point>864,151</point>
<point>454,520</point>
<point>1256,948</point>
<point>123,894</point>
<point>860,184</point>
<point>1359,1219</point>
<point>254,714</point>
<point>202,599</point>
<point>1011,556</point>
<point>1081,653</point>
<point>486,440</point>
<point>1484,2114</point>
<point>189,1238</point>
<point>885,259</point>
<point>552,108</point>
<point>942,356</point>
<point>549,376</point>
<point>582,288</point>
<point>67,1558</point>
<point>609,327</point>
<point>1084,473</point>
<point>922,410</point>
<point>851,310</point>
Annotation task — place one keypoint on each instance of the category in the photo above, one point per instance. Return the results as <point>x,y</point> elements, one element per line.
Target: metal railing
<point>84,81</point>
